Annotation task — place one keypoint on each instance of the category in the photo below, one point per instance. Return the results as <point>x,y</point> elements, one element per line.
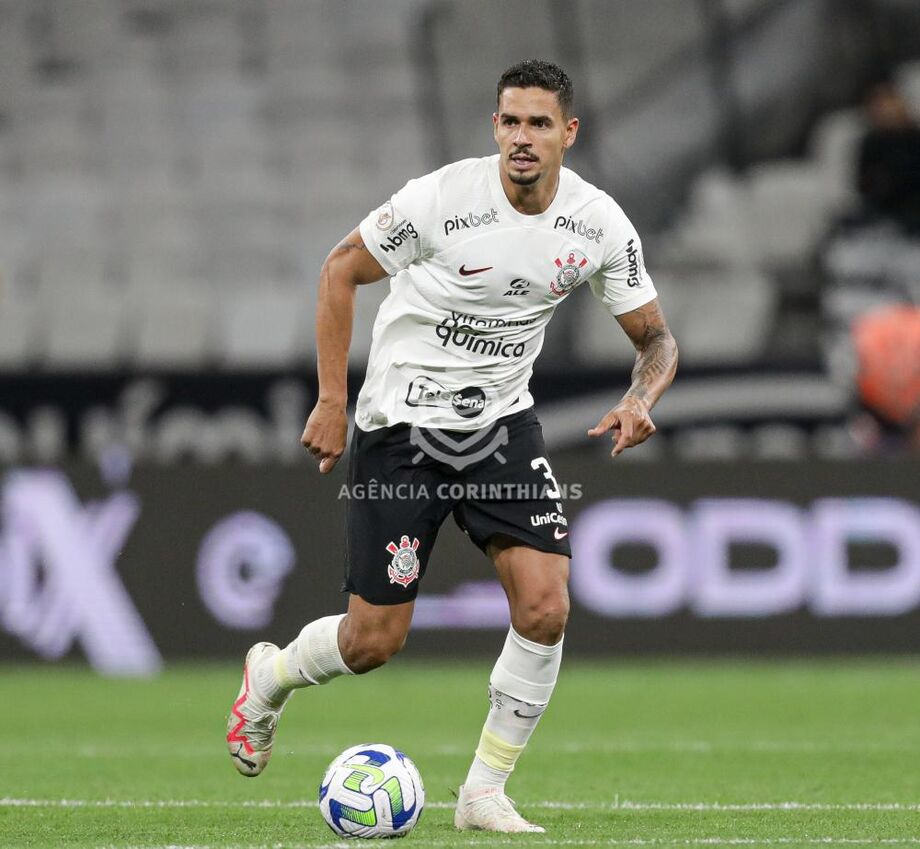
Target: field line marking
<point>616,805</point>
<point>638,841</point>
<point>701,748</point>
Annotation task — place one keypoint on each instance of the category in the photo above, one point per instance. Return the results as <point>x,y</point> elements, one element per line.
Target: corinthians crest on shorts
<point>568,275</point>
<point>403,568</point>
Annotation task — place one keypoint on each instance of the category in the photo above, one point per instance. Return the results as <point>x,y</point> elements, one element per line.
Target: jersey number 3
<point>542,464</point>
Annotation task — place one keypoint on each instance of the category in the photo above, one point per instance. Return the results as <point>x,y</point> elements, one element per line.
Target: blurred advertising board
<point>130,567</point>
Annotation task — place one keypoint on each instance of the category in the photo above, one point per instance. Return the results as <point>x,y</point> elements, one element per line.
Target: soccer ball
<point>371,790</point>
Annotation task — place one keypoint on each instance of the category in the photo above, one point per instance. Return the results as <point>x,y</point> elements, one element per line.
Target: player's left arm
<point>656,362</point>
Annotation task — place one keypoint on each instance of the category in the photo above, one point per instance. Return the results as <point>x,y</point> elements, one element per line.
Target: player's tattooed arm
<point>348,265</point>
<point>656,363</point>
<point>656,352</point>
<point>351,258</point>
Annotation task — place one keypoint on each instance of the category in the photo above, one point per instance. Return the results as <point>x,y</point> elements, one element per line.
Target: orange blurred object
<point>888,349</point>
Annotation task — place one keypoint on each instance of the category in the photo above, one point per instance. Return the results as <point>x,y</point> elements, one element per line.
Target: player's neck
<point>531,200</point>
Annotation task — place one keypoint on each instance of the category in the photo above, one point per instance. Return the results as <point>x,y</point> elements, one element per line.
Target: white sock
<point>520,687</point>
<point>313,657</point>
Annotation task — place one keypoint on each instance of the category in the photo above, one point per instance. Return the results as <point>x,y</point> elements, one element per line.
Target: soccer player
<point>479,254</point>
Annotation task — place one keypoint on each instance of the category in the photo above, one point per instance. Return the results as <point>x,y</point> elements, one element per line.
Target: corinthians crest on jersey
<point>404,567</point>
<point>570,271</point>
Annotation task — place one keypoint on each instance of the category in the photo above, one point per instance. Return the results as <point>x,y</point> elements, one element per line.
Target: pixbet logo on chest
<point>579,227</point>
<point>469,220</point>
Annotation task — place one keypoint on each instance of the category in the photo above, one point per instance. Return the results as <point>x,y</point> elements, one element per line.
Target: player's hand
<point>325,434</point>
<point>628,422</point>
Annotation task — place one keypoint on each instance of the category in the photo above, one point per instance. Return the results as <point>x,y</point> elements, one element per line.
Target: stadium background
<point>172,175</point>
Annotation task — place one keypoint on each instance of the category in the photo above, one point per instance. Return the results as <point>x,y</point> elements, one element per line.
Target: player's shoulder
<point>586,194</point>
<point>464,176</point>
<point>463,170</point>
<point>586,202</point>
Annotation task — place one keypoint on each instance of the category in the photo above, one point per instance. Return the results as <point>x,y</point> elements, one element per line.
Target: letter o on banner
<point>242,564</point>
<point>720,590</point>
<point>596,582</point>
<point>842,588</point>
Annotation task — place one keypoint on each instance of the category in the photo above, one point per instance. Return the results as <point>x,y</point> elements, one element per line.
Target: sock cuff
<point>314,657</point>
<point>525,670</point>
<point>536,648</point>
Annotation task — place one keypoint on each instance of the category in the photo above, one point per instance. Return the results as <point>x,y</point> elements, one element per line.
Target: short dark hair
<point>536,73</point>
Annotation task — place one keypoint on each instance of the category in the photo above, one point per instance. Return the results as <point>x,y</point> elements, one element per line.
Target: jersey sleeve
<point>622,283</point>
<point>394,233</point>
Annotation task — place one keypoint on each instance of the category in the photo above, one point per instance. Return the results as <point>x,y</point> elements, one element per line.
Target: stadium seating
<point>176,162</point>
<point>719,315</point>
<point>265,328</point>
<point>18,340</point>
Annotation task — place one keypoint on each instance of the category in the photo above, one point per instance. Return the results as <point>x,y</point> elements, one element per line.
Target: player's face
<point>532,134</point>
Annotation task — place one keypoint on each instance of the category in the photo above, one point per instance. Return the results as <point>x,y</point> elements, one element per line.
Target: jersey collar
<point>502,202</point>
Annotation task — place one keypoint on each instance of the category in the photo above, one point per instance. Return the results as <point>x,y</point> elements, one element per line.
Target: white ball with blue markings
<point>371,790</point>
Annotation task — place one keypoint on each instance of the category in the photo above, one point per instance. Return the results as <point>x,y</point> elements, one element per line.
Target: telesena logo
<point>396,240</point>
<point>579,227</point>
<point>465,222</point>
<point>425,391</point>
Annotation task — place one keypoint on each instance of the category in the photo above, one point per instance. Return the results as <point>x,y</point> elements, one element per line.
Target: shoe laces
<point>504,805</point>
<point>261,722</point>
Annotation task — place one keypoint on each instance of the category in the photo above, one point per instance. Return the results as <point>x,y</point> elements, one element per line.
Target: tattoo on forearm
<point>657,354</point>
<point>654,363</point>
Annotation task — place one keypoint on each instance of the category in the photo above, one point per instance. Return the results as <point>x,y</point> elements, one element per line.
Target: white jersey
<point>474,283</point>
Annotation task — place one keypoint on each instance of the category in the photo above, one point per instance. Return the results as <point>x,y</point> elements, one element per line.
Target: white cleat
<point>489,809</point>
<point>252,721</point>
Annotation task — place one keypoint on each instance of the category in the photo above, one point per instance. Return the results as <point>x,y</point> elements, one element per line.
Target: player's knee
<point>544,621</point>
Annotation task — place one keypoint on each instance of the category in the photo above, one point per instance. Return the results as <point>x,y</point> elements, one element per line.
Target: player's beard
<point>523,179</point>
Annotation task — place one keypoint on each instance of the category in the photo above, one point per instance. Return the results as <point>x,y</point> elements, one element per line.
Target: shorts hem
<point>561,547</point>
<point>411,595</point>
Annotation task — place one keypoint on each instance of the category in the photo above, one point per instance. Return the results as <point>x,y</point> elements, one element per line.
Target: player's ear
<point>571,130</point>
<point>495,126</point>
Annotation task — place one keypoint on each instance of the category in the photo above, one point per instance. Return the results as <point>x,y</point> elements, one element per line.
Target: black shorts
<point>403,482</point>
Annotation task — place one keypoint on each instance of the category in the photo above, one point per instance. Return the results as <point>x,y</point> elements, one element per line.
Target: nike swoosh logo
<point>466,272</point>
<point>520,715</point>
<point>558,535</point>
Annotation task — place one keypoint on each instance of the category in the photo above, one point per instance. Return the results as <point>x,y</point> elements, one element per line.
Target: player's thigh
<point>536,583</point>
<point>517,497</point>
<point>391,519</point>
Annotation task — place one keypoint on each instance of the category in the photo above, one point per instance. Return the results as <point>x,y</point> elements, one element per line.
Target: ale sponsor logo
<point>517,288</point>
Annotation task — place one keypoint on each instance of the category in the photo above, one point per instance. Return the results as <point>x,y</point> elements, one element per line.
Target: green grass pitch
<point>631,754</point>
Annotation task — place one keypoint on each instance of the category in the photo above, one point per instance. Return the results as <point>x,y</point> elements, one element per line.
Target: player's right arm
<point>348,266</point>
